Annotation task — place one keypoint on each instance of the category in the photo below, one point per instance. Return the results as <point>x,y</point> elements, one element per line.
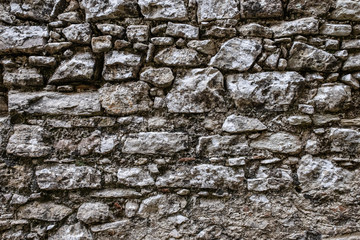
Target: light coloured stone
<point>159,77</point>
<point>299,120</point>
<point>217,145</point>
<point>237,54</point>
<point>178,57</point>
<point>196,91</point>
<point>331,97</point>
<point>309,7</point>
<point>350,44</point>
<point>163,9</point>
<point>261,9</point>
<point>280,142</point>
<point>44,211</point>
<point>346,10</point>
<point>351,81</point>
<point>303,26</point>
<point>161,205</point>
<point>72,232</point>
<point>116,193</point>
<point>322,119</point>
<point>22,77</point>
<point>101,44</point>
<point>34,10</point>
<point>267,179</point>
<point>240,124</point>
<point>352,63</point>
<point>42,61</point>
<point>344,140</point>
<point>71,17</point>
<point>78,33</point>
<point>111,29</point>
<point>135,177</point>
<point>203,46</point>
<point>214,9</point>
<point>182,30</point>
<point>338,30</point>
<point>137,33</point>
<point>255,30</point>
<point>95,212</point>
<point>162,41</point>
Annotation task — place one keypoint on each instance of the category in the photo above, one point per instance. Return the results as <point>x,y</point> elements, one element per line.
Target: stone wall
<point>180,119</point>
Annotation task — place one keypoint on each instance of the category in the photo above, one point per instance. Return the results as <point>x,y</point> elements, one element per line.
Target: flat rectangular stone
<point>304,26</point>
<point>351,44</point>
<point>261,9</point>
<point>217,145</point>
<point>338,30</point>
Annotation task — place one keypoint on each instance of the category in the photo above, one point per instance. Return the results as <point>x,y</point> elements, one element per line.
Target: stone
<point>337,30</point>
<point>271,61</point>
<point>125,99</point>
<point>67,177</point>
<point>53,103</point>
<point>239,124</point>
<point>309,8</point>
<point>261,9</point>
<point>42,61</point>
<point>275,90</point>
<point>299,120</point>
<point>79,68</point>
<point>44,211</point>
<point>306,57</point>
<point>351,81</point>
<point>344,140</point>
<point>303,26</point>
<point>116,193</point>
<point>22,77</point>
<point>237,54</point>
<point>162,41</point>
<point>350,44</point>
<point>215,10</point>
<point>18,199</point>
<point>137,33</point>
<point>101,44</point>
<point>111,29</point>
<point>178,57</point>
<point>120,65</point>
<point>163,10</point>
<point>159,77</point>
<point>28,141</point>
<point>161,205</point>
<point>346,10</point>
<point>35,11</point>
<point>197,91</point>
<point>322,119</point>
<point>22,39</point>
<point>93,212</point>
<point>162,143</point>
<point>95,10</point>
<point>131,209</point>
<point>75,231</point>
<point>135,177</point>
<point>78,33</point>
<point>216,145</point>
<point>202,176</point>
<point>56,47</point>
<point>182,30</point>
<point>71,17</point>
<point>280,142</point>
<point>332,97</point>
<point>203,46</point>
<point>220,32</point>
<point>255,30</point>
<point>352,63</point>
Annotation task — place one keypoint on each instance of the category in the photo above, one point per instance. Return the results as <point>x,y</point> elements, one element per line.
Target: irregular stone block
<point>46,211</point>
<point>346,10</point>
<point>93,212</point>
<point>240,124</point>
<point>163,9</point>
<point>111,29</point>
<point>306,57</point>
<point>332,97</point>
<point>197,91</point>
<point>116,193</point>
<point>274,90</point>
<point>344,140</point>
<point>134,177</point>
<point>159,77</point>
<point>350,44</point>
<point>78,33</point>
<point>28,141</point>
<point>261,9</point>
<point>34,10</point>
<point>217,9</point>
<point>203,46</point>
<point>280,142</point>
<point>125,99</point>
<point>303,26</point>
<point>161,205</point>
<point>67,177</point>
<point>182,30</point>
<point>137,33</point>
<point>237,54</point>
<point>352,63</point>
<point>178,57</point>
<point>77,230</point>
<point>217,145</point>
<point>22,77</point>
<point>270,179</point>
<point>161,143</point>
<point>42,61</point>
<point>101,44</point>
<point>309,8</point>
<point>22,39</point>
<point>53,103</point>
<point>338,30</point>
<point>255,30</point>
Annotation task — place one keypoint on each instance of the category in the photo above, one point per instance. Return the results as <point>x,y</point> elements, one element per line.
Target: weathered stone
<point>255,30</point>
<point>135,177</point>
<point>270,179</point>
<point>162,41</point>
<point>344,140</point>
<point>350,44</point>
<point>261,9</point>
<point>34,10</point>
<point>303,26</point>
<point>101,44</point>
<point>346,10</point>
<point>67,177</point>
<point>79,68</point>
<point>214,9</point>
<point>197,91</point>
<point>163,10</point>
<point>78,33</point>
<point>331,97</point>
<point>178,57</point>
<point>220,32</point>
<point>280,142</point>
<point>161,143</point>
<point>299,120</point>
<point>22,39</point>
<point>203,46</point>
<point>351,81</point>
<point>237,54</point>
<point>125,99</point>
<point>71,17</point>
<point>28,141</point>
<point>182,30</point>
<point>42,61</point>
<point>159,77</point>
<point>116,193</point>
<point>22,77</point>
<point>53,103</point>
<point>96,212</point>
<point>322,119</point>
<point>120,65</point>
<point>100,10</point>
<point>73,232</point>
<point>111,29</point>
<point>352,63</point>
<point>338,30</point>
<point>137,33</point>
<point>309,7</point>
<point>57,47</point>
<point>271,61</point>
<point>217,145</point>
<point>47,211</point>
<point>276,90</point>
<point>306,57</point>
<point>161,205</point>
<point>240,124</point>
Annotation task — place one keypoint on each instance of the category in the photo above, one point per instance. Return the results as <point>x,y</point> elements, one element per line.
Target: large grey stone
<point>261,9</point>
<point>338,30</point>
<point>78,33</point>
<point>303,26</point>
<point>217,145</point>
<point>163,9</point>
<point>134,177</point>
<point>67,177</point>
<point>159,77</point>
<point>309,7</point>
<point>79,68</point>
<point>280,142</point>
<point>161,143</point>
<point>76,231</point>
<point>127,98</point>
<point>274,90</point>
<point>197,91</point>
<point>22,39</point>
<point>332,97</point>
<point>93,212</point>
<point>46,211</point>
<point>182,30</point>
<point>352,63</point>
<point>346,10</point>
<point>237,54</point>
<point>343,140</point>
<point>240,124</point>
<point>28,141</point>
<point>178,57</point>
<point>217,9</point>
<point>306,57</point>
<point>22,77</point>
<point>53,103</point>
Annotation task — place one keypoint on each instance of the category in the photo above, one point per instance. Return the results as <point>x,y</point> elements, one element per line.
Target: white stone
<point>240,124</point>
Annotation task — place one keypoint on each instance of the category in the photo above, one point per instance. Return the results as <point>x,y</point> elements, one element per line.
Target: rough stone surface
<point>159,77</point>
<point>215,9</point>
<point>134,177</point>
<point>346,10</point>
<point>182,30</point>
<point>239,124</point>
<point>331,97</point>
<point>75,231</point>
<point>23,77</point>
<point>352,63</point>
<point>309,8</point>
<point>280,142</point>
<point>305,26</point>
<point>90,213</point>
<point>46,211</point>
<point>261,9</point>
<point>78,33</point>
<point>178,57</point>
<point>217,145</point>
<point>163,10</point>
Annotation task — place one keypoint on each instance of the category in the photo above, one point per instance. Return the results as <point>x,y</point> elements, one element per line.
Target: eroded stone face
<point>304,26</point>
<point>331,97</point>
<point>44,211</point>
<point>134,177</point>
<point>310,8</point>
<point>23,77</point>
<point>163,10</point>
<point>346,10</point>
<point>161,205</point>
<point>239,124</point>
<point>261,9</point>
<point>344,140</point>
<point>215,9</point>
<point>178,57</point>
<point>96,212</point>
<point>217,145</point>
<point>76,230</point>
<point>281,142</point>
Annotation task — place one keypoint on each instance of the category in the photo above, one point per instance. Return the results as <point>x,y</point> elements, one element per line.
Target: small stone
<point>116,193</point>
<point>323,119</point>
<point>42,61</point>
<point>343,54</point>
<point>255,30</point>
<point>280,142</point>
<point>71,17</point>
<point>303,26</point>
<point>203,46</point>
<point>309,8</point>
<point>307,109</point>
<point>337,30</point>
<point>261,9</point>
<point>178,57</point>
<point>90,213</point>
<point>18,199</point>
<point>65,88</point>
<point>135,177</point>
<point>220,32</point>
<point>332,44</point>
<point>299,120</point>
<point>332,97</point>
<point>183,192</point>
<point>44,211</point>
<point>22,77</point>
<point>57,47</point>
<point>137,33</point>
<point>162,41</point>
<point>159,77</point>
<point>101,44</point>
<point>266,179</point>
<point>163,10</point>
<point>271,61</point>
<point>351,81</point>
<point>72,231</point>
<point>120,44</point>
<point>216,145</point>
<point>282,65</point>
<point>350,44</point>
<point>214,9</point>
<point>142,47</point>
<point>352,63</point>
<point>78,33</point>
<point>131,209</point>
<point>182,30</point>
<point>240,124</point>
<point>111,29</point>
